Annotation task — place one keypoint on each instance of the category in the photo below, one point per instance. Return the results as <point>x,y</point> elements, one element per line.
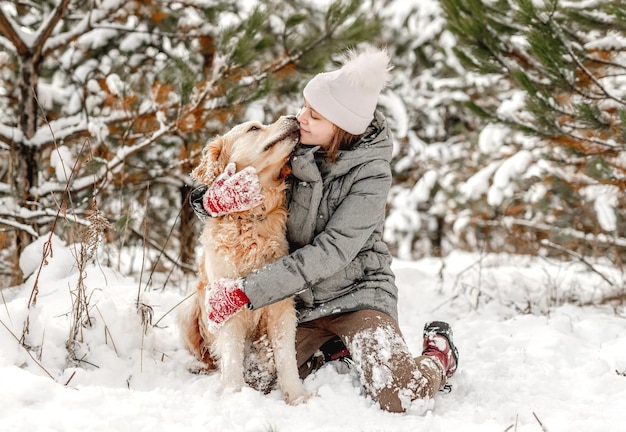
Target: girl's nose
<point>300,115</point>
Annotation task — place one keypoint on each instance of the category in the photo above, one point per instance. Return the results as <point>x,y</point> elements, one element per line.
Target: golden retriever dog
<point>256,347</point>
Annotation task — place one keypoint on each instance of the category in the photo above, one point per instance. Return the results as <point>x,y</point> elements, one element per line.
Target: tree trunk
<point>23,157</point>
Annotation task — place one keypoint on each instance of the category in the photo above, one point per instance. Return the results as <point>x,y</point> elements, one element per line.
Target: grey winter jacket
<point>338,261</point>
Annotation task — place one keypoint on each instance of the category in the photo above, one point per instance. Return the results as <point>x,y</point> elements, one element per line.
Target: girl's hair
<point>342,140</point>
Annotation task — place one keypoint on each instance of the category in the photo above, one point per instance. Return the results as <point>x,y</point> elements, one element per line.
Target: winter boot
<point>438,343</point>
<point>331,350</point>
<point>334,349</point>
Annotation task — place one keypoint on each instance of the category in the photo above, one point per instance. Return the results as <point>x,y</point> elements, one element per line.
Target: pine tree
<point>434,136</point>
<point>107,105</point>
<point>559,69</point>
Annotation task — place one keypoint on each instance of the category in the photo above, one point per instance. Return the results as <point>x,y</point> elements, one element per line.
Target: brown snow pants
<point>389,373</point>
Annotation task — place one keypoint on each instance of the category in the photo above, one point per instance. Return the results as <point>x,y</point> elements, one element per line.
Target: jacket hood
<point>375,143</point>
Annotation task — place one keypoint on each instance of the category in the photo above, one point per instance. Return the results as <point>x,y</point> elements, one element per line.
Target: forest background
<point>508,120</point>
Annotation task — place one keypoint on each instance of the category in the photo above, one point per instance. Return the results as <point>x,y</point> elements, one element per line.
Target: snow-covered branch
<point>88,22</point>
<point>11,31</point>
<point>113,166</point>
<point>49,25</point>
<point>20,226</point>
<point>579,235</point>
<point>10,135</point>
<point>36,215</point>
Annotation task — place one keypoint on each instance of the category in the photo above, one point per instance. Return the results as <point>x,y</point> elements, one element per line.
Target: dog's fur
<point>237,244</point>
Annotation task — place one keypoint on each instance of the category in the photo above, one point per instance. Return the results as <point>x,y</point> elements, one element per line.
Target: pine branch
<point>595,80</point>
<point>558,31</point>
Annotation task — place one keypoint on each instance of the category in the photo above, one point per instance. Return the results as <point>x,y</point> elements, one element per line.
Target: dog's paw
<point>200,369</point>
<point>235,388</point>
<point>297,397</point>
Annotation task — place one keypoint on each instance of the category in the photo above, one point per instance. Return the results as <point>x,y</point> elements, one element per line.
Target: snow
<point>423,188</point>
<point>115,84</point>
<point>527,357</point>
<point>62,161</point>
<point>478,184</point>
<point>394,104</point>
<point>504,177</point>
<point>133,42</point>
<point>492,137</point>
<point>604,198</point>
<point>531,358</point>
<point>612,41</point>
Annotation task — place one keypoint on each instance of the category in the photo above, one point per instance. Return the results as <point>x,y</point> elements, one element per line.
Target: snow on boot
<point>438,343</point>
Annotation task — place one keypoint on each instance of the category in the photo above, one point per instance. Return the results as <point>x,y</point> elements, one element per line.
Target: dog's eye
<point>253,128</point>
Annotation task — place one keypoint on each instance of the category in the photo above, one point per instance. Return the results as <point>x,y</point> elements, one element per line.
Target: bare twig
<point>586,71</point>
<point>578,256</point>
<point>20,342</point>
<point>174,307</point>
<point>543,427</point>
<point>69,379</point>
<point>143,250</point>
<point>6,308</point>
<point>46,253</point>
<point>107,332</point>
<point>162,252</point>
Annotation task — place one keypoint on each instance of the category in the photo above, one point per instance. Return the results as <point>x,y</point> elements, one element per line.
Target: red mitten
<point>233,192</point>
<point>224,298</point>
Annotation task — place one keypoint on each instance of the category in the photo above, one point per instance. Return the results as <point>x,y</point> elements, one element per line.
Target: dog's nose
<point>293,119</point>
<point>195,199</point>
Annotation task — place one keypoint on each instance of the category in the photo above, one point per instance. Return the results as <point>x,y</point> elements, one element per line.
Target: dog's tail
<point>189,323</point>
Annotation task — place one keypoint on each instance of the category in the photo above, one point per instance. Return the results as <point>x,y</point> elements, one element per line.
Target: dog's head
<point>265,147</point>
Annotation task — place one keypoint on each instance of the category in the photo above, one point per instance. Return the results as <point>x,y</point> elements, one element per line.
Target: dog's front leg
<point>229,346</point>
<point>281,331</point>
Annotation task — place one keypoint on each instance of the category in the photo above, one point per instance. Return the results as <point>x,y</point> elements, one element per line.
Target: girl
<point>339,269</point>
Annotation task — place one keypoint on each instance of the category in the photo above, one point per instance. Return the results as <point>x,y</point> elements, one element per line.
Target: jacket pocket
<point>344,281</point>
<point>337,285</point>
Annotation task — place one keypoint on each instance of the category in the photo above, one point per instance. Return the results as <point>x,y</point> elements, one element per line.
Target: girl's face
<point>314,128</point>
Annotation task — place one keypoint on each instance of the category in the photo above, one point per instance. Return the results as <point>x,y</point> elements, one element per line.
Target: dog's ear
<point>285,171</point>
<point>211,162</point>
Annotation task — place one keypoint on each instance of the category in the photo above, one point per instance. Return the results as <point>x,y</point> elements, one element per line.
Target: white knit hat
<point>348,96</point>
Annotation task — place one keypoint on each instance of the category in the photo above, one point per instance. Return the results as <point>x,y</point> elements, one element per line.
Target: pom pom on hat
<point>348,96</point>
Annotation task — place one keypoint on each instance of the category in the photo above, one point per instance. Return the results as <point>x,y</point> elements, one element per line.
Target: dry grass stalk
<point>80,317</point>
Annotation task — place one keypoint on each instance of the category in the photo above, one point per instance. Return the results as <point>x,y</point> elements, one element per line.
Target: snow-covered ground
<point>527,362</point>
